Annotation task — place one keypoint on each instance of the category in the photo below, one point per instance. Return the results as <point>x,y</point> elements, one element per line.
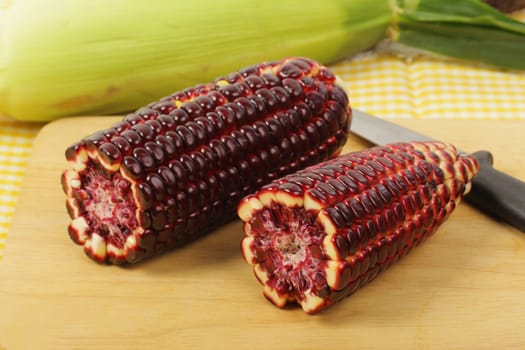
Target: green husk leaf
<point>469,30</point>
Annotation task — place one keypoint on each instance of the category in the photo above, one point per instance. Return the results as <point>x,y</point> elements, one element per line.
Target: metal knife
<point>494,192</point>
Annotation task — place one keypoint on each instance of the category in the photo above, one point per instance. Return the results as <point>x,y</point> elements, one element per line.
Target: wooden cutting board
<point>463,289</point>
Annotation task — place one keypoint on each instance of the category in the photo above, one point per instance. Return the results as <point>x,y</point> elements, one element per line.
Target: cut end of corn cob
<point>371,208</point>
<point>176,169</point>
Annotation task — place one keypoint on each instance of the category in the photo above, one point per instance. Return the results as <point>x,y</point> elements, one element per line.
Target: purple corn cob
<point>176,169</point>
<point>314,237</point>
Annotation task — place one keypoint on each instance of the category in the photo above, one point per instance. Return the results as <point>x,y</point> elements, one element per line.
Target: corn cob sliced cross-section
<point>316,236</point>
<point>174,170</point>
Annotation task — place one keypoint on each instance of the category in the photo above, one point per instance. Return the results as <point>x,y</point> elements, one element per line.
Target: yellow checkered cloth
<point>380,84</point>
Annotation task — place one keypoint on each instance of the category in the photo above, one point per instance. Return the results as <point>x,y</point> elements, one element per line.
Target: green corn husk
<point>74,57</point>
<point>468,29</point>
<point>64,58</point>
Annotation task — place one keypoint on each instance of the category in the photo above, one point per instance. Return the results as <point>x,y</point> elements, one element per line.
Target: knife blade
<point>498,194</point>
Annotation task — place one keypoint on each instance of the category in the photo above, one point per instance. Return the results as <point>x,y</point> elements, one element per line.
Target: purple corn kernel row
<point>176,169</point>
<point>316,236</point>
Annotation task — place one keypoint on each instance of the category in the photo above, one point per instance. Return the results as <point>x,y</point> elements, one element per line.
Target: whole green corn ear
<point>105,57</point>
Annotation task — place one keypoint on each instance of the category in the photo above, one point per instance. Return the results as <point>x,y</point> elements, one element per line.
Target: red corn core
<point>290,241</point>
<point>110,209</point>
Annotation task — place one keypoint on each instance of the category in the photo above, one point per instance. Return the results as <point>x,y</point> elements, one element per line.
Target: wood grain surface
<point>462,289</point>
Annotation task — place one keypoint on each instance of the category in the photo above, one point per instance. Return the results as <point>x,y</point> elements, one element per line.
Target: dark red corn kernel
<point>304,64</point>
<point>164,107</point>
<point>72,152</point>
<point>237,111</point>
<point>363,213</point>
<point>188,138</point>
<point>156,125</point>
<point>145,196</point>
<point>219,150</point>
<point>245,89</point>
<point>147,113</point>
<point>225,120</point>
<point>179,116</point>
<point>191,167</point>
<point>274,155</point>
<point>307,83</point>
<point>209,157</point>
<point>233,77</point>
<point>284,121</point>
<point>275,129</point>
<point>251,136</point>
<point>322,128</point>
<point>303,111</point>
<point>216,97</point>
<point>326,75</point>
<point>346,213</point>
<point>192,109</point>
<point>314,100</point>
<point>109,133</point>
<point>122,144</point>
<point>156,182</point>
<point>169,179</point>
<point>313,135</point>
<point>208,127</point>
<point>241,139</point>
<point>250,110</point>
<point>289,70</point>
<point>171,210</point>
<point>283,98</point>
<point>231,91</point>
<point>269,98</point>
<point>144,219</point>
<point>110,153</point>
<point>179,166</point>
<point>120,126</point>
<point>322,89</point>
<point>179,96</point>
<point>202,163</point>
<point>264,156</point>
<point>205,103</point>
<point>134,118</point>
<point>270,80</point>
<point>249,71</point>
<point>254,82</point>
<point>158,218</point>
<point>296,144</point>
<point>294,88</point>
<point>181,199</point>
<point>338,94</point>
<point>132,137</point>
<point>216,121</point>
<point>233,149</point>
<point>286,150</point>
<point>367,204</point>
<point>132,167</point>
<point>156,152</point>
<point>179,171</point>
<point>386,162</point>
<point>177,140</point>
<point>167,146</point>
<point>198,131</point>
<point>145,159</point>
<point>259,105</point>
